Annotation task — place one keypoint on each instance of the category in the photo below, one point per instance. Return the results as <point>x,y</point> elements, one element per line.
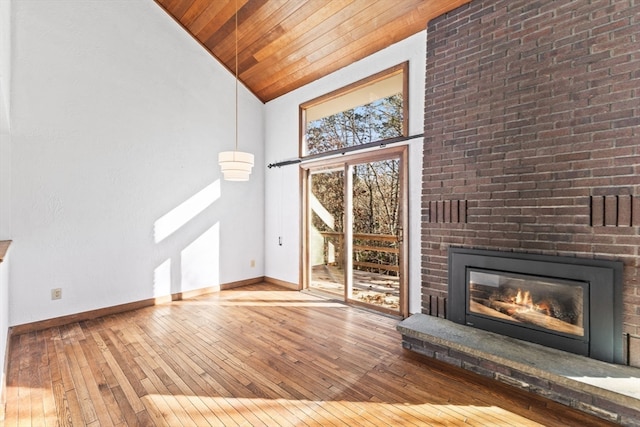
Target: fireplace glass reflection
<point>548,304</point>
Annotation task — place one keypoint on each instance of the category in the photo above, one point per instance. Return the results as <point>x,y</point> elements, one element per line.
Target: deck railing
<point>364,242</point>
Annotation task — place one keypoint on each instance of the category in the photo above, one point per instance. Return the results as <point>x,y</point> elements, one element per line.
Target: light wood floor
<point>259,356</point>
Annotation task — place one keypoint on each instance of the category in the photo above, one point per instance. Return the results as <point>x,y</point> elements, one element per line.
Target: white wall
<point>5,126</point>
<point>282,203</point>
<point>5,176</point>
<point>117,118</point>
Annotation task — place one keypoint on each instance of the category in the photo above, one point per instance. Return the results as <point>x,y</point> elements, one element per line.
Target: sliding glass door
<point>354,218</point>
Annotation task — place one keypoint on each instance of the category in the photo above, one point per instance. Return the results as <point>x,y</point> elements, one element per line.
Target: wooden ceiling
<point>285,44</point>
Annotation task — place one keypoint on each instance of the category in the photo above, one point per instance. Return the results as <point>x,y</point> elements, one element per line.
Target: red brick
<point>634,351</point>
<point>635,211</point>
<point>447,211</point>
<point>611,210</point>
<point>463,211</point>
<point>624,211</point>
<point>455,211</point>
<point>597,211</point>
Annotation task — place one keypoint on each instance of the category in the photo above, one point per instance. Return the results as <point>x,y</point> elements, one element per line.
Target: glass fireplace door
<point>551,305</point>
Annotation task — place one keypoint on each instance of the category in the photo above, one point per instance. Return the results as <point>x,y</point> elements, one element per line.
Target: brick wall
<point>532,137</point>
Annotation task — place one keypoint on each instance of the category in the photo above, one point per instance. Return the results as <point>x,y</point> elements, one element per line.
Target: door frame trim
<point>345,161</point>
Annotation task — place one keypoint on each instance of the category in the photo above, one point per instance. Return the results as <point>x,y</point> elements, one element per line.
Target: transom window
<point>370,111</point>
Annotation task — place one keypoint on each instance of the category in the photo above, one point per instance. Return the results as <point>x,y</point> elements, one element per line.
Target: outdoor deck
<point>376,289</point>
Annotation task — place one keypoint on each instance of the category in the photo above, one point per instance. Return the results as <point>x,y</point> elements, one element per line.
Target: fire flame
<point>524,298</point>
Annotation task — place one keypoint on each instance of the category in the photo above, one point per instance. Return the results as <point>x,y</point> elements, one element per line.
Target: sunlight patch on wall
<point>186,211</point>
<point>200,261</point>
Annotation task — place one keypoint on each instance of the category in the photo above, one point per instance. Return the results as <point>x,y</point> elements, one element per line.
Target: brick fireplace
<point>532,139</point>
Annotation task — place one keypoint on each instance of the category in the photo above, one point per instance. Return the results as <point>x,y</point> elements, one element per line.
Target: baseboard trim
<point>284,284</point>
<point>3,403</point>
<point>121,308</point>
<point>3,380</point>
<point>87,315</point>
<point>178,296</point>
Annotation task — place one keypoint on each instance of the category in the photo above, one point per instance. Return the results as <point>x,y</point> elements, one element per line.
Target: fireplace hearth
<point>567,303</point>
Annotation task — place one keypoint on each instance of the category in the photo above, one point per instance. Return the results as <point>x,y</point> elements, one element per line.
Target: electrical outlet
<point>56,293</point>
<point>253,263</point>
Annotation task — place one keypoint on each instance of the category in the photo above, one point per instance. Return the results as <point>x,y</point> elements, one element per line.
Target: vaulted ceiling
<point>285,44</point>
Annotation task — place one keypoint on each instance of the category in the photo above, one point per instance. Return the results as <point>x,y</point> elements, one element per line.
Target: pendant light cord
<point>236,75</point>
<point>236,165</point>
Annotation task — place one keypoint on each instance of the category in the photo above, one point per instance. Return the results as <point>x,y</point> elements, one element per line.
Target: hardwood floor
<point>258,355</point>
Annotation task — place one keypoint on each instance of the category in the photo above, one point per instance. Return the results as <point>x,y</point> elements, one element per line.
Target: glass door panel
<point>326,232</point>
<point>374,234</point>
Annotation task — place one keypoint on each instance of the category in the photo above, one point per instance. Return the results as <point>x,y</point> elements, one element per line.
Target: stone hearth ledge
<point>603,389</point>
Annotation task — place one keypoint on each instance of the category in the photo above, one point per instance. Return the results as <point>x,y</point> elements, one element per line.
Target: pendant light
<point>236,165</point>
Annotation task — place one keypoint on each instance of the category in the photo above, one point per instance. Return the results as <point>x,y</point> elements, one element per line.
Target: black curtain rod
<point>345,150</point>
<point>283,163</point>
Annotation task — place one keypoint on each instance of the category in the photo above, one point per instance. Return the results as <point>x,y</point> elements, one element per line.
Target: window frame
<point>402,68</point>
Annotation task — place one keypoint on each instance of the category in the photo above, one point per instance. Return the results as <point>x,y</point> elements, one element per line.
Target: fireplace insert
<point>571,304</point>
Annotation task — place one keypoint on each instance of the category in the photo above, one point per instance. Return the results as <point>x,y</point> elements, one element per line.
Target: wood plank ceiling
<point>286,44</point>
